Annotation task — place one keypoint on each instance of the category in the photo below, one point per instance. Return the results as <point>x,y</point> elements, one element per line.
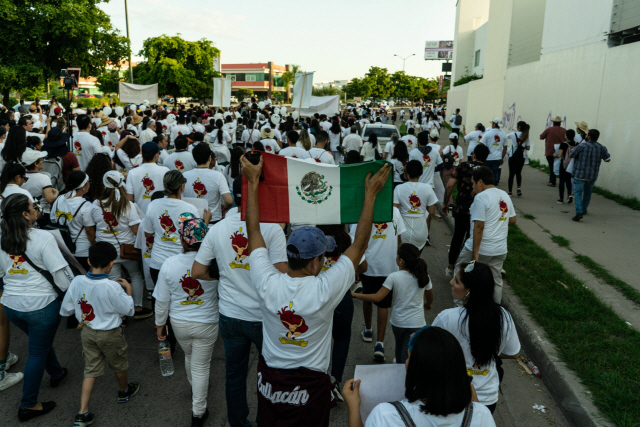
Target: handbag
<point>47,276</point>
<point>127,250</point>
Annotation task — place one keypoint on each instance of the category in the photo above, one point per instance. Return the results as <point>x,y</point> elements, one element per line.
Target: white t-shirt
<point>410,124</point>
<point>334,139</point>
<point>368,152</point>
<point>227,243</point>
<point>410,141</point>
<point>129,163</point>
<point>163,216</point>
<point>213,137</point>
<point>197,127</point>
<point>494,139</point>
<point>190,300</point>
<point>386,415</point>
<point>85,147</point>
<point>512,144</point>
<point>37,182</point>
<point>413,199</point>
<point>97,302</point>
<point>143,181</point>
<point>295,152</point>
<point>177,130</point>
<point>485,379</point>
<point>63,208</point>
<point>180,161</point>
<point>15,188</point>
<point>472,138</point>
<point>408,299</point>
<point>453,122</point>
<point>297,313</point>
<point>398,169</point>
<point>389,148</point>
<point>270,145</point>
<point>204,183</point>
<point>494,207</point>
<point>320,155</point>
<point>325,126</point>
<point>352,142</point>
<point>22,281</point>
<point>255,136</point>
<point>383,245</point>
<point>429,162</point>
<point>456,152</point>
<point>230,128</point>
<point>114,230</point>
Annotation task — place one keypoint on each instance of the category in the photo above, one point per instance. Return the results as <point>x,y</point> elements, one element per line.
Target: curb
<point>565,386</point>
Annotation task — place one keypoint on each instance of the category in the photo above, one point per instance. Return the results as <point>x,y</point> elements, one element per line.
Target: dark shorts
<point>371,285</point>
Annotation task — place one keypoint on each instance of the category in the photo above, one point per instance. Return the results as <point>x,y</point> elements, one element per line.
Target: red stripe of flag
<point>273,192</point>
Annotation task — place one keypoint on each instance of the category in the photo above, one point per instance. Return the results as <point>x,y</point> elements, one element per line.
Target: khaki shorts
<point>100,345</point>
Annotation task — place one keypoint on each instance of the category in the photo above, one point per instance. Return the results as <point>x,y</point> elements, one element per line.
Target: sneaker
<point>559,201</point>
<point>56,382</point>
<point>150,295</point>
<point>25,414</point>
<point>83,420</point>
<point>378,353</point>
<point>577,218</point>
<point>143,314</point>
<point>199,421</point>
<point>12,359</point>
<point>428,242</point>
<point>125,396</point>
<point>10,379</point>
<point>502,272</point>
<point>570,199</point>
<point>336,391</point>
<point>448,272</point>
<point>367,335</point>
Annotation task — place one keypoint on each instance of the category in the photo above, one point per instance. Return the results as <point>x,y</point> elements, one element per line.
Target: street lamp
<point>126,16</point>
<point>404,59</point>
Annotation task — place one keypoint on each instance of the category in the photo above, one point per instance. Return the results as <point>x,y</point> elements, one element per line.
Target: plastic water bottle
<point>531,366</point>
<point>166,363</point>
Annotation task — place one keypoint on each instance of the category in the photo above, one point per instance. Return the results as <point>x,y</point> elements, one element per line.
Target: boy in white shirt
<point>99,303</point>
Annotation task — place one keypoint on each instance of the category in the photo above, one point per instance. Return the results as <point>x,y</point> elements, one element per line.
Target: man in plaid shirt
<point>586,165</point>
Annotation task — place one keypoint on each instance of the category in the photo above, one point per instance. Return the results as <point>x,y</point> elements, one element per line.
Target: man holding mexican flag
<point>297,308</point>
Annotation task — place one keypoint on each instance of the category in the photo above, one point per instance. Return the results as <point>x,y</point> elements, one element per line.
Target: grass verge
<point>604,275</point>
<point>591,338</point>
<point>560,241</point>
<point>403,129</point>
<point>529,216</point>
<point>630,202</point>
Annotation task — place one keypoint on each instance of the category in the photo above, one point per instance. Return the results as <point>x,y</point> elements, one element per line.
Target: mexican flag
<point>302,192</point>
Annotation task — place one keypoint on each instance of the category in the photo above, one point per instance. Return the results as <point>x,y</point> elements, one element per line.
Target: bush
<point>466,79</point>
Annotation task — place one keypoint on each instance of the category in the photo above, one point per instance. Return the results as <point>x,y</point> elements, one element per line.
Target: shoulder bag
<point>127,250</point>
<point>64,229</point>
<point>46,275</point>
<point>408,421</point>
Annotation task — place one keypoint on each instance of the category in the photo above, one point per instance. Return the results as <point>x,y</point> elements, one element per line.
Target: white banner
<point>221,92</point>
<point>302,89</point>
<point>328,105</point>
<point>138,93</point>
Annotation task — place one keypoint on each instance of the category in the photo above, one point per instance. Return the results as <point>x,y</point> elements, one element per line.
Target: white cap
<point>497,121</point>
<point>30,156</point>
<point>453,135</point>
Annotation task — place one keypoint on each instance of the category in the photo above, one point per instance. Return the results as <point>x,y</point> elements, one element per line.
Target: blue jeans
<point>237,336</point>
<point>582,192</point>
<point>402,337</point>
<point>341,333</point>
<point>40,326</point>
<point>494,165</point>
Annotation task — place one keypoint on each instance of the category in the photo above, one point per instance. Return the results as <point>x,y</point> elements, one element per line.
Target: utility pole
<point>403,59</point>
<point>126,16</point>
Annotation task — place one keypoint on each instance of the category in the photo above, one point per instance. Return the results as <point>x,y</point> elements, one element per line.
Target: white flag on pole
<point>302,89</point>
<point>221,92</point>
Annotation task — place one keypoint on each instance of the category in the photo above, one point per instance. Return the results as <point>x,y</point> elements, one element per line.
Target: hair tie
<point>73,193</point>
<point>115,176</point>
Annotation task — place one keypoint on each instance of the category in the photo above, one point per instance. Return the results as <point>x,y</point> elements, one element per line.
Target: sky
<point>339,40</point>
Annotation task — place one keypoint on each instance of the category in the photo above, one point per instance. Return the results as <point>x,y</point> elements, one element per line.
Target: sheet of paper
<point>379,384</point>
<point>200,204</point>
<point>68,256</point>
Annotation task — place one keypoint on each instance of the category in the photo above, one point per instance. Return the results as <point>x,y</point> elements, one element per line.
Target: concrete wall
<point>470,16</point>
<point>480,43</point>
<point>525,39</point>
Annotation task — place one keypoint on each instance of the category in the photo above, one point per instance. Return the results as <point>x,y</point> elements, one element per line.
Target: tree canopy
<point>180,67</point>
<point>378,83</point>
<point>289,77</point>
<point>381,86</point>
<point>49,35</point>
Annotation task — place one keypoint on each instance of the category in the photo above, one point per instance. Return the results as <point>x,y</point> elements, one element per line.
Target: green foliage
<point>381,84</point>
<point>108,81</point>
<point>42,37</point>
<point>466,79</point>
<point>289,77</point>
<point>529,216</point>
<point>244,93</point>
<point>180,67</point>
<point>359,87</point>
<point>276,94</point>
<point>561,241</point>
<point>326,91</point>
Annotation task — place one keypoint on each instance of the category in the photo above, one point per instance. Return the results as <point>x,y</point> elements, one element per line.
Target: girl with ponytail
<point>457,153</point>
<point>412,294</point>
<point>518,143</point>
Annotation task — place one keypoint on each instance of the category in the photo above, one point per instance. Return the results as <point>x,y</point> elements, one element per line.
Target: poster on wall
<point>438,49</point>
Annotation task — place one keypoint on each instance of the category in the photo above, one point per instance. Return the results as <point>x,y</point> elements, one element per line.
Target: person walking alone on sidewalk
<point>517,145</point>
<point>586,167</point>
<point>565,160</point>
<point>552,135</point>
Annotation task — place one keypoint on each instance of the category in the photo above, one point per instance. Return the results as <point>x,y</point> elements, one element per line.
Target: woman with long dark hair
<point>399,160</point>
<point>368,152</point>
<point>518,144</point>
<point>232,170</point>
<point>455,150</point>
<point>484,328</point>
<point>565,177</point>
<point>409,299</point>
<point>128,152</point>
<point>314,128</point>
<point>99,165</point>
<point>335,139</point>
<point>11,179</point>
<point>29,262</point>
<point>219,136</point>
<point>14,145</point>
<point>437,390</point>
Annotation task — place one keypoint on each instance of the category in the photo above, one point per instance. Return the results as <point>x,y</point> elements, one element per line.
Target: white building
<point>338,84</point>
<point>577,59</point>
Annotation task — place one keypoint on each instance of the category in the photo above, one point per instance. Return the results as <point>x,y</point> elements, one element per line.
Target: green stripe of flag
<point>352,193</point>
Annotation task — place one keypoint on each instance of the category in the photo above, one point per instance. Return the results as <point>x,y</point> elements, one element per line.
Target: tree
<point>289,77</point>
<point>404,86</point>
<point>381,82</point>
<point>276,95</point>
<point>326,91</point>
<point>48,35</point>
<point>358,87</point>
<point>109,81</point>
<point>180,67</point>
<point>244,93</point>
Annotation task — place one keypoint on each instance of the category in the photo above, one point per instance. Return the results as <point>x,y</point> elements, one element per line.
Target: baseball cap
<point>57,110</point>
<point>310,243</point>
<point>435,134</point>
<point>29,157</point>
<point>150,148</point>
<point>453,136</point>
<point>497,121</point>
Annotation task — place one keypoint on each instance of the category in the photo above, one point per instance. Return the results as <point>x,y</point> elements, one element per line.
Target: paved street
<point>167,401</point>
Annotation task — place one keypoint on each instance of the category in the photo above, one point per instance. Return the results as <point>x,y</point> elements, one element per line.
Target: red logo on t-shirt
<point>167,225</point>
<point>104,133</point>
<point>164,127</point>
<point>192,287</point>
<point>414,200</point>
<point>240,244</point>
<point>87,311</point>
<point>110,144</point>
<point>149,243</point>
<point>503,209</point>
<point>179,133</point>
<point>179,165</point>
<point>381,226</point>
<point>295,324</point>
<point>17,261</point>
<point>199,188</point>
<point>148,185</point>
<point>317,159</point>
<point>77,146</point>
<point>496,138</point>
<point>427,160</point>
<point>110,219</point>
<point>268,148</point>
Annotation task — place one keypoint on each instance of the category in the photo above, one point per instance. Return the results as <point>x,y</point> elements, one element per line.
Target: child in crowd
<point>99,304</point>
<point>407,312</point>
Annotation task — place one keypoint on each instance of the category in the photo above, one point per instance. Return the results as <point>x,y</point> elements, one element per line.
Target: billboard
<point>438,49</point>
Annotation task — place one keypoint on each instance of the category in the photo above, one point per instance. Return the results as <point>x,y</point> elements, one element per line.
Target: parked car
<point>43,103</point>
<point>85,95</point>
<point>383,132</point>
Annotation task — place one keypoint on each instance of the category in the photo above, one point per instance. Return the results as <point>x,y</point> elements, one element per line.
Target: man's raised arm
<point>252,173</point>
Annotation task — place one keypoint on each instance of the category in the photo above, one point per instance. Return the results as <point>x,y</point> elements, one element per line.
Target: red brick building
<point>261,77</point>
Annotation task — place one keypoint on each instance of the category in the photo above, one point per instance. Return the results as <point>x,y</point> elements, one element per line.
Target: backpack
<point>64,229</point>
<point>566,159</point>
<point>53,166</point>
<point>458,120</point>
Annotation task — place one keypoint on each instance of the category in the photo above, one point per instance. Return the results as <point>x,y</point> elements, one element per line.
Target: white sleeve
<point>388,283</point>
<point>63,277</point>
<point>396,197</point>
<point>132,216</point>
<point>510,344</point>
<point>147,225</point>
<point>207,250</point>
<point>223,185</point>
<point>128,186</point>
<point>122,302</point>
<point>478,210</point>
<point>277,246</point>
<point>432,199</point>
<point>68,306</point>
